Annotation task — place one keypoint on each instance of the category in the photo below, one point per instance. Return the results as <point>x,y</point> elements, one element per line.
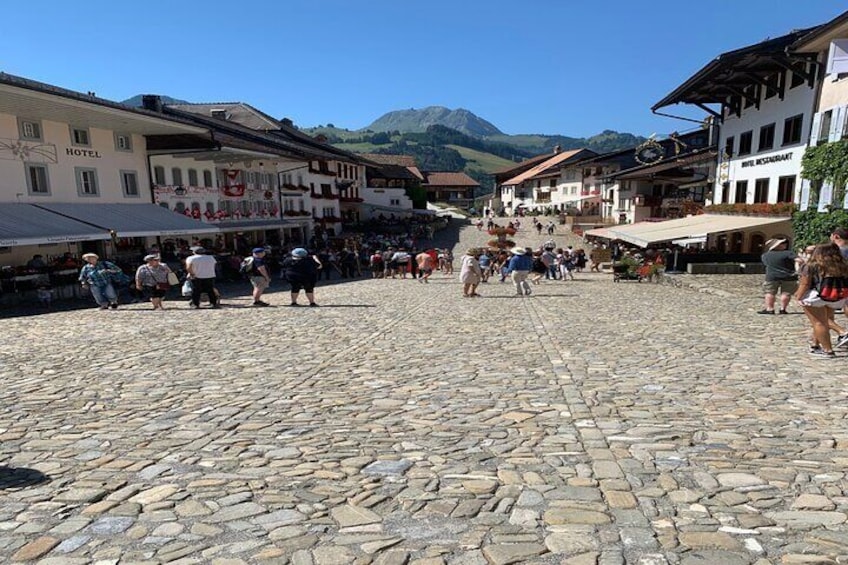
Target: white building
<point>74,174</point>
<point>762,96</point>
<point>555,183</point>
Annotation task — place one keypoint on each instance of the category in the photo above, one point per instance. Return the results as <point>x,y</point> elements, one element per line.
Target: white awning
<point>690,240</point>
<point>253,225</point>
<point>646,233</point>
<point>131,220</point>
<point>600,232</point>
<point>25,224</point>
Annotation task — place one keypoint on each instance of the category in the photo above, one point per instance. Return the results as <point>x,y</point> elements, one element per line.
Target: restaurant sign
<point>767,160</point>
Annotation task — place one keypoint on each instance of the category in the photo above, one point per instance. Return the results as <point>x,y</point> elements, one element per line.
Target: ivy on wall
<point>826,163</point>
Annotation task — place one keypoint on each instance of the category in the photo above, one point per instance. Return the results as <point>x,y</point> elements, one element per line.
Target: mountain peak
<point>412,120</point>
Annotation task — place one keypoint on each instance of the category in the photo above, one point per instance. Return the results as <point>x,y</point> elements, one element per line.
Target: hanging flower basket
<point>501,244</point>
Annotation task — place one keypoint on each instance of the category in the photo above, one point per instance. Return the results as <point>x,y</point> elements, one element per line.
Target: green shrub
<point>812,227</point>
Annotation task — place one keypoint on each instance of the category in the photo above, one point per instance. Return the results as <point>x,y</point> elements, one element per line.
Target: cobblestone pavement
<point>589,423</point>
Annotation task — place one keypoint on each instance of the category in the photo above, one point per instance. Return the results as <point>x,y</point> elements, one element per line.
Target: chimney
<point>152,102</point>
<point>287,122</point>
<point>557,149</point>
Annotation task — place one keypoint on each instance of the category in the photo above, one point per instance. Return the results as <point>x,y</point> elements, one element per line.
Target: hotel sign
<point>767,160</point>
<point>74,152</point>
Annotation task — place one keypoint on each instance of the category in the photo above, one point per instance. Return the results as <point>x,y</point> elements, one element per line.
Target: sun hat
<point>259,250</point>
<point>774,243</point>
<point>299,252</point>
<point>518,251</point>
<point>87,255</point>
<point>198,250</point>
<point>151,258</point>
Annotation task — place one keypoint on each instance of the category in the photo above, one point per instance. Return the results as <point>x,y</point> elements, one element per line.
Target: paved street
<point>399,423</point>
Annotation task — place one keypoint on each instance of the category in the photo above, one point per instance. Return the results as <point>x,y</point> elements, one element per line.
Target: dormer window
<point>219,113</point>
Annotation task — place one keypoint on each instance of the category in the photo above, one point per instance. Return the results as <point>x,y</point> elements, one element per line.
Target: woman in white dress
<point>470,273</point>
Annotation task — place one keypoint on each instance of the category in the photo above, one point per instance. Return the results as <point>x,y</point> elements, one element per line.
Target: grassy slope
<point>481,160</point>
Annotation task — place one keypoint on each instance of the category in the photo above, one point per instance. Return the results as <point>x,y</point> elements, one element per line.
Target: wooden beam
<point>708,110</point>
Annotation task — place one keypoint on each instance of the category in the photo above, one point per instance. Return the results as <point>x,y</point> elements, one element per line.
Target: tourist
<point>840,238</point>
<point>485,261</point>
<point>301,271</point>
<point>152,279</point>
<point>98,276</point>
<point>448,262</point>
<point>424,260</point>
<point>36,263</point>
<point>551,228</point>
<point>781,277</point>
<point>549,259</point>
<point>518,268</point>
<point>538,268</point>
<point>200,269</point>
<point>375,262</point>
<point>825,265</point>
<point>578,259</point>
<point>401,262</point>
<point>470,274</point>
<point>257,271</point>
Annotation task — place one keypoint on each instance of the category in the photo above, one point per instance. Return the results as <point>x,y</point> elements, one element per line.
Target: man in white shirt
<point>201,271</point>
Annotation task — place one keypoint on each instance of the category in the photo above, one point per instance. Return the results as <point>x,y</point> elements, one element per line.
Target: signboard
<point>601,255</point>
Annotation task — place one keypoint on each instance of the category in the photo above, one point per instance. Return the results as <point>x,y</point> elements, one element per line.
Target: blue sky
<point>571,67</point>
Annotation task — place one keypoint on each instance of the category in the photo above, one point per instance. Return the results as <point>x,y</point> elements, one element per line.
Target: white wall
<point>798,100</point>
<point>101,155</point>
<point>383,197</point>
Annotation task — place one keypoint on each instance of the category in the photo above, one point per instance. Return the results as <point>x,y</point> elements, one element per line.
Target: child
<point>45,295</point>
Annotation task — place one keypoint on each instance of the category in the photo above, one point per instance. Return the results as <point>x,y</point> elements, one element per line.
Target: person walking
<point>301,271</point>
<point>424,260</point>
<point>201,271</point>
<point>518,268</point>
<point>485,261</point>
<point>152,279</point>
<point>257,271</point>
<point>470,273</point>
<point>780,275</point>
<point>97,276</point>
<point>823,289</point>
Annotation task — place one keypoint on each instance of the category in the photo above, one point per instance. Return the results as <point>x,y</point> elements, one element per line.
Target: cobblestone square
<point>589,423</point>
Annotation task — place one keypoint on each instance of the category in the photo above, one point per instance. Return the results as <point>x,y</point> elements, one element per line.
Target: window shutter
<point>837,57</point>
<point>845,199</point>
<point>837,123</point>
<point>805,195</point>
<point>825,196</point>
<point>814,132</point>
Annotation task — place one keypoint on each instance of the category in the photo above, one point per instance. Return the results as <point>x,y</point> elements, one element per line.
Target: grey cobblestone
<point>590,423</point>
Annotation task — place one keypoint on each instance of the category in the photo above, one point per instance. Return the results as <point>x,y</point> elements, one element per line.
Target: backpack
<point>833,289</point>
<point>246,267</point>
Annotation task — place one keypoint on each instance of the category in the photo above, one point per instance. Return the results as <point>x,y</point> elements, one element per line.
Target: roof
<point>734,69</point>
<point>27,224</point>
<point>22,96</point>
<point>525,164</point>
<point>551,161</point>
<point>386,159</point>
<point>130,220</point>
<point>238,112</point>
<point>450,179</point>
<point>819,39</point>
<point>703,154</point>
<point>391,172</point>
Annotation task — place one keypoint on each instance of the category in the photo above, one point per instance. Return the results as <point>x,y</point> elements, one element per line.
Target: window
<point>728,146</point>
<point>725,193</point>
<point>799,69</point>
<point>123,142</point>
<point>772,84</point>
<point>192,177</point>
<point>29,129</point>
<point>786,189</point>
<point>159,175</point>
<point>766,137</point>
<point>792,129</point>
<point>395,201</point>
<point>751,95</point>
<point>824,127</point>
<point>218,113</point>
<point>129,183</point>
<point>746,140</point>
<point>761,188</point>
<point>79,136</point>
<point>37,180</point>
<point>207,179</point>
<point>176,176</point>
<point>741,192</point>
<point>86,181</point>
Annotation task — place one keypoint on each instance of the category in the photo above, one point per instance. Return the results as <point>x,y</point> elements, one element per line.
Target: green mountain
<point>411,121</point>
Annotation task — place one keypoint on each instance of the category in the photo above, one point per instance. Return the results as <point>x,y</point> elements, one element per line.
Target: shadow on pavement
<point>17,477</point>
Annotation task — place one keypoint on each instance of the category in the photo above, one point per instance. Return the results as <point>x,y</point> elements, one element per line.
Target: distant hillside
<point>135,101</point>
<point>412,121</point>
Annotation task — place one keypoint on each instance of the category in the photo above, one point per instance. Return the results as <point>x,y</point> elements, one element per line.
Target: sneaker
<point>294,304</point>
<point>764,311</point>
<point>194,306</point>
<point>842,341</point>
<point>814,349</point>
<point>782,311</point>
<point>822,354</point>
<point>114,306</point>
<point>528,292</point>
<point>260,303</point>
<point>104,307</point>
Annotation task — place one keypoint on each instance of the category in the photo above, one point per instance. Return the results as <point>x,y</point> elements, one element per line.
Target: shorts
<point>788,286</point>
<point>259,283</point>
<point>297,286</point>
<point>813,300</point>
<point>154,292</point>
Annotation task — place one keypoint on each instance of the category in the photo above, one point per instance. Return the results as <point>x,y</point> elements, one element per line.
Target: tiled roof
<point>525,164</point>
<point>543,166</point>
<point>238,112</point>
<point>384,159</point>
<point>450,179</point>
